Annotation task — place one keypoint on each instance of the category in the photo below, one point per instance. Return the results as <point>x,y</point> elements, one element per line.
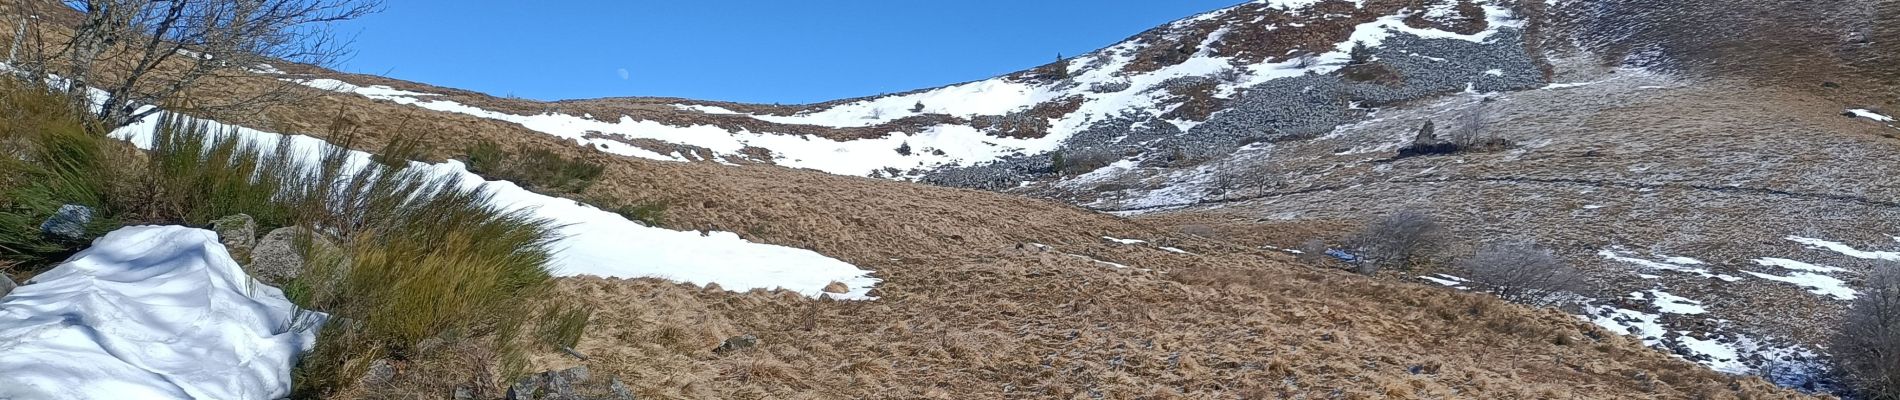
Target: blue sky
<point>751,51</point>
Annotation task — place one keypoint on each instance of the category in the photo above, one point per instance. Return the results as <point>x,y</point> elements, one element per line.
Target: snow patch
<point>1641,325</point>
<point>1671,304</point>
<point>1816,283</point>
<point>150,312</point>
<point>1846,250</point>
<point>1870,114</point>
<point>1796,265</point>
<point>602,243</point>
<point>1448,281</point>
<point>1678,264</point>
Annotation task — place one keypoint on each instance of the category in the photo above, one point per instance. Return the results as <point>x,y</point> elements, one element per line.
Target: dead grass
<point>1075,328</point>
<point>966,312</point>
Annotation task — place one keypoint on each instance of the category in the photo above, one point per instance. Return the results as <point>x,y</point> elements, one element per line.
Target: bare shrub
<point>1867,348</point>
<point>152,52</point>
<point>1394,241</point>
<point>1472,131</point>
<point>1522,272</point>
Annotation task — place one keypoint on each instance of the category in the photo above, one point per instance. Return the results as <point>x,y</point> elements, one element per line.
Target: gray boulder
<point>238,233</point>
<point>576,383</point>
<point>275,259</point>
<point>737,343</point>
<point>6,285</point>
<point>380,372</point>
<point>69,223</point>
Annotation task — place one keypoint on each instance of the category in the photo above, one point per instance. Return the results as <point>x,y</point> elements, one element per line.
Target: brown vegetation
<point>970,308</point>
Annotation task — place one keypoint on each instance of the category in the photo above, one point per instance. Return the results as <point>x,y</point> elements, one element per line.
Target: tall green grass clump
<point>198,175</point>
<point>537,169</point>
<point>49,157</point>
<point>396,255</point>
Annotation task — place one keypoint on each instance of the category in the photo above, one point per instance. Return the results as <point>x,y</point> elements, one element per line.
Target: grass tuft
<point>397,256</point>
<point>48,158</point>
<point>561,324</point>
<point>536,169</point>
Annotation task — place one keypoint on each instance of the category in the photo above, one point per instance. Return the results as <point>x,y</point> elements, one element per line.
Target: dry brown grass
<point>968,312</point>
<point>1033,324</point>
<point>963,316</point>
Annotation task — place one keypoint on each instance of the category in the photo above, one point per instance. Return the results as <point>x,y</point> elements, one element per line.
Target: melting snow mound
<point>152,312</point>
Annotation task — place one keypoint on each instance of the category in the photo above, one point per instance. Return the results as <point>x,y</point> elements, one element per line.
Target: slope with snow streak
<point>601,243</point>
<point>1107,85</point>
<point>151,312</point>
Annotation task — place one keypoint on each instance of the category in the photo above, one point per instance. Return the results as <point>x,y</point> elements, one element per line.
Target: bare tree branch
<point>155,52</point>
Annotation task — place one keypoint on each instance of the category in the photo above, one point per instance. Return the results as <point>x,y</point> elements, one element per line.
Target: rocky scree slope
<point>1199,87</point>
<point>1716,167</point>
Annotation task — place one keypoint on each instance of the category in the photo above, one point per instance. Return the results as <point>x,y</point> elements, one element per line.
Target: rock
<point>1426,135</point>
<point>569,384</point>
<point>620,390</point>
<point>380,372</point>
<point>735,343</point>
<point>527,389</point>
<point>238,233</point>
<point>6,285</point>
<point>68,224</point>
<point>275,259</point>
<point>837,287</point>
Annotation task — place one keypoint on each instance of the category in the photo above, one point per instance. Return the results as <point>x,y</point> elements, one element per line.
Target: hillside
<point>1623,117</point>
<point>1134,267</point>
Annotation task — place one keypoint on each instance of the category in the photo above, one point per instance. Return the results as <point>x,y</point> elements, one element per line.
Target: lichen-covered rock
<point>238,233</point>
<point>275,260</point>
<point>576,383</point>
<point>380,372</point>
<point>68,224</point>
<point>737,343</point>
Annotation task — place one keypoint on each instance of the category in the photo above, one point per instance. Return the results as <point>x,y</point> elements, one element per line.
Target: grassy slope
<point>968,310</point>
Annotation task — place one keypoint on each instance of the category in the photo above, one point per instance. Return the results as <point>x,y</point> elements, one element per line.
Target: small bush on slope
<point>419,257</point>
<point>651,214</point>
<point>537,169</point>
<point>1394,241</point>
<point>1522,273</point>
<point>1867,348</point>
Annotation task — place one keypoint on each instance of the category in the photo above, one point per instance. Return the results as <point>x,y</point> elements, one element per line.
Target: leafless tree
<point>152,52</point>
<point>1394,241</point>
<point>1472,130</point>
<point>1867,349</point>
<point>1522,272</point>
